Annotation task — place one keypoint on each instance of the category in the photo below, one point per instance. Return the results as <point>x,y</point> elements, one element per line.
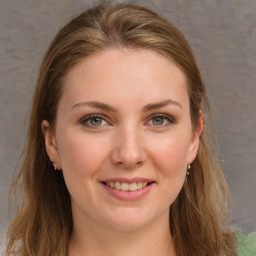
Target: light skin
<point>123,114</point>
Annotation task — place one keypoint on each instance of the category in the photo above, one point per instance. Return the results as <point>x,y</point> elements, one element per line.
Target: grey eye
<point>158,120</point>
<point>161,120</point>
<point>93,121</point>
<point>96,121</point>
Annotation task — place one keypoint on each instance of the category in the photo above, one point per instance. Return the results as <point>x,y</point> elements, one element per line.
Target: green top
<point>246,245</point>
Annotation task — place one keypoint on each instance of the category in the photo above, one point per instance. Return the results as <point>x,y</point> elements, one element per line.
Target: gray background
<point>223,36</point>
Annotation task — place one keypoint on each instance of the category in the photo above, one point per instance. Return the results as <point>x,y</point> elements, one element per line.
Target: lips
<point>128,189</point>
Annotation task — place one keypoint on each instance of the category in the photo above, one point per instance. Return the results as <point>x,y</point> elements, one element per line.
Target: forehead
<point>125,74</point>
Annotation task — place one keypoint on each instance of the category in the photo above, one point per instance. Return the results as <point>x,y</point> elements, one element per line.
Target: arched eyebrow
<point>148,107</point>
<point>161,104</point>
<point>96,104</point>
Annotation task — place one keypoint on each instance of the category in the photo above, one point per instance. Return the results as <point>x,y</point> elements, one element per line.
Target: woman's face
<point>123,137</point>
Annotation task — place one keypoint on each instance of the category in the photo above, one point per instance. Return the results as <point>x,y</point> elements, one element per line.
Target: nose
<point>128,151</point>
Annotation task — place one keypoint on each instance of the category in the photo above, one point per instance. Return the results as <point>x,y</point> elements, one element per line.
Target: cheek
<point>81,157</point>
<point>169,157</point>
<point>170,153</point>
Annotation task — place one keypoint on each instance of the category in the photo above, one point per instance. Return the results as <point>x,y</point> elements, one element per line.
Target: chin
<point>127,225</point>
<point>128,220</point>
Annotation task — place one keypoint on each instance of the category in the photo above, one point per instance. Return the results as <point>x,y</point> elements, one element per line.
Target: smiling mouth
<point>124,186</point>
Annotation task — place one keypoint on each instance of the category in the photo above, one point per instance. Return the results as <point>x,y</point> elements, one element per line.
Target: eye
<point>93,121</point>
<point>160,120</point>
<point>96,121</point>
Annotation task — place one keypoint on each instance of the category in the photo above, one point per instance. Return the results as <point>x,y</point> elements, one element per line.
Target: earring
<point>188,168</point>
<point>55,165</point>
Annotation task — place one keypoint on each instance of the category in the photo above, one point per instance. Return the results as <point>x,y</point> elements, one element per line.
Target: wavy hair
<point>199,217</point>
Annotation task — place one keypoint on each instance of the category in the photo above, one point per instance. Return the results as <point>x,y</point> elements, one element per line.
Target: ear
<point>50,143</point>
<point>195,139</point>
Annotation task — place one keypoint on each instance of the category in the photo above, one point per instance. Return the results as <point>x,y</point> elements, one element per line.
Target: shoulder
<point>246,245</point>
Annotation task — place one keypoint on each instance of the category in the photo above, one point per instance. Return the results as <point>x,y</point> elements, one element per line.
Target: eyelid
<point>86,118</point>
<point>168,117</point>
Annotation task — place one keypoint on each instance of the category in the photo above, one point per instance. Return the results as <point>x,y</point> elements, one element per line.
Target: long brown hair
<point>199,217</point>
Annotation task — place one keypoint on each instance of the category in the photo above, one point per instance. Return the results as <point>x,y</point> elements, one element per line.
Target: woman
<point>118,158</point>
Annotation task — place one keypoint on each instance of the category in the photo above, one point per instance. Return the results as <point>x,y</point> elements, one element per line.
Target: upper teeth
<point>127,186</point>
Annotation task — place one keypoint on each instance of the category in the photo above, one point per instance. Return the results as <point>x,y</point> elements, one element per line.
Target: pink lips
<point>128,195</point>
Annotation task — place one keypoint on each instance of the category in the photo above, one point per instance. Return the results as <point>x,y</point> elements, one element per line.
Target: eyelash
<point>85,119</point>
<point>169,119</point>
<point>103,118</point>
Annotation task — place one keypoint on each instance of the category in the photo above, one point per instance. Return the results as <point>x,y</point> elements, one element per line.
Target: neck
<point>92,240</point>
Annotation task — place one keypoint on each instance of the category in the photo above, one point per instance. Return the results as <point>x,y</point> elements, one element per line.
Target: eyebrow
<point>161,104</point>
<point>148,107</point>
<point>96,104</point>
